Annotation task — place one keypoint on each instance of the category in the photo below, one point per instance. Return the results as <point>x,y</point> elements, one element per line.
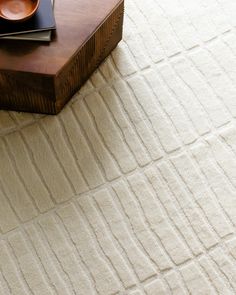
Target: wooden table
<point>40,77</point>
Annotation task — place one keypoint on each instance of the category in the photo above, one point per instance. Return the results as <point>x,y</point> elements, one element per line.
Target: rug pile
<point>131,189</point>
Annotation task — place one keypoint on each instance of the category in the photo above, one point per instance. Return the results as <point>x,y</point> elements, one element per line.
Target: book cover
<point>41,21</point>
<point>37,36</point>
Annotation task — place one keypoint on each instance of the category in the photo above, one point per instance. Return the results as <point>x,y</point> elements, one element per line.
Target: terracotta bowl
<point>18,10</point>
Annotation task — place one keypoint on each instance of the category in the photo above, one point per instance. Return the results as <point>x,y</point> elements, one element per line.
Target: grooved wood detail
<point>89,57</point>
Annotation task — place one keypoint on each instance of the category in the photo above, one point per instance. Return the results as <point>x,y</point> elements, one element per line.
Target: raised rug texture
<point>131,189</point>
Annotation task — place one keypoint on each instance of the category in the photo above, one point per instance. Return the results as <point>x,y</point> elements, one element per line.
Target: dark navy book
<point>42,20</point>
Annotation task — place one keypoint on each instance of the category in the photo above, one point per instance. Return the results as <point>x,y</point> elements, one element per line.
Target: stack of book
<point>38,28</point>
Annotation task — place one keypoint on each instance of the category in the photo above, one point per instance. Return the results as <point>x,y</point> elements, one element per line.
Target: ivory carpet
<point>132,188</point>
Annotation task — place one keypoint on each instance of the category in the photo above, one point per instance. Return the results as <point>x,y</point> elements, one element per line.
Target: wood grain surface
<point>41,78</point>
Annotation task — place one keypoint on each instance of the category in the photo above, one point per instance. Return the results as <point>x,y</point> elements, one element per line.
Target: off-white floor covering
<point>132,188</point>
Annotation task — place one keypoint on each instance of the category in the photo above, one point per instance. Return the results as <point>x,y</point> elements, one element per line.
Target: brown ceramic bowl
<point>18,10</point>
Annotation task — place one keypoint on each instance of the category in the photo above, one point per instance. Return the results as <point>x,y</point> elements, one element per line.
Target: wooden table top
<point>76,20</point>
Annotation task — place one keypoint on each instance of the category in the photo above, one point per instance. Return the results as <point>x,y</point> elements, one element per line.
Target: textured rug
<point>132,188</point>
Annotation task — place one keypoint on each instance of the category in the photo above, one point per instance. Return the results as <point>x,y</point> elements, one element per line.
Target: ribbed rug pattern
<point>131,189</point>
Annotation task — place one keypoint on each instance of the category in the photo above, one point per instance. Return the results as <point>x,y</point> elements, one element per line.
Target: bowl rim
<point>23,18</point>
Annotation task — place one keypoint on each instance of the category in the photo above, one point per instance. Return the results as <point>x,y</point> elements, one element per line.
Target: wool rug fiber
<point>131,189</point>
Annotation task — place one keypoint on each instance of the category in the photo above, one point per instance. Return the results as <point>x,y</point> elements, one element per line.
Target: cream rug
<point>132,188</point>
